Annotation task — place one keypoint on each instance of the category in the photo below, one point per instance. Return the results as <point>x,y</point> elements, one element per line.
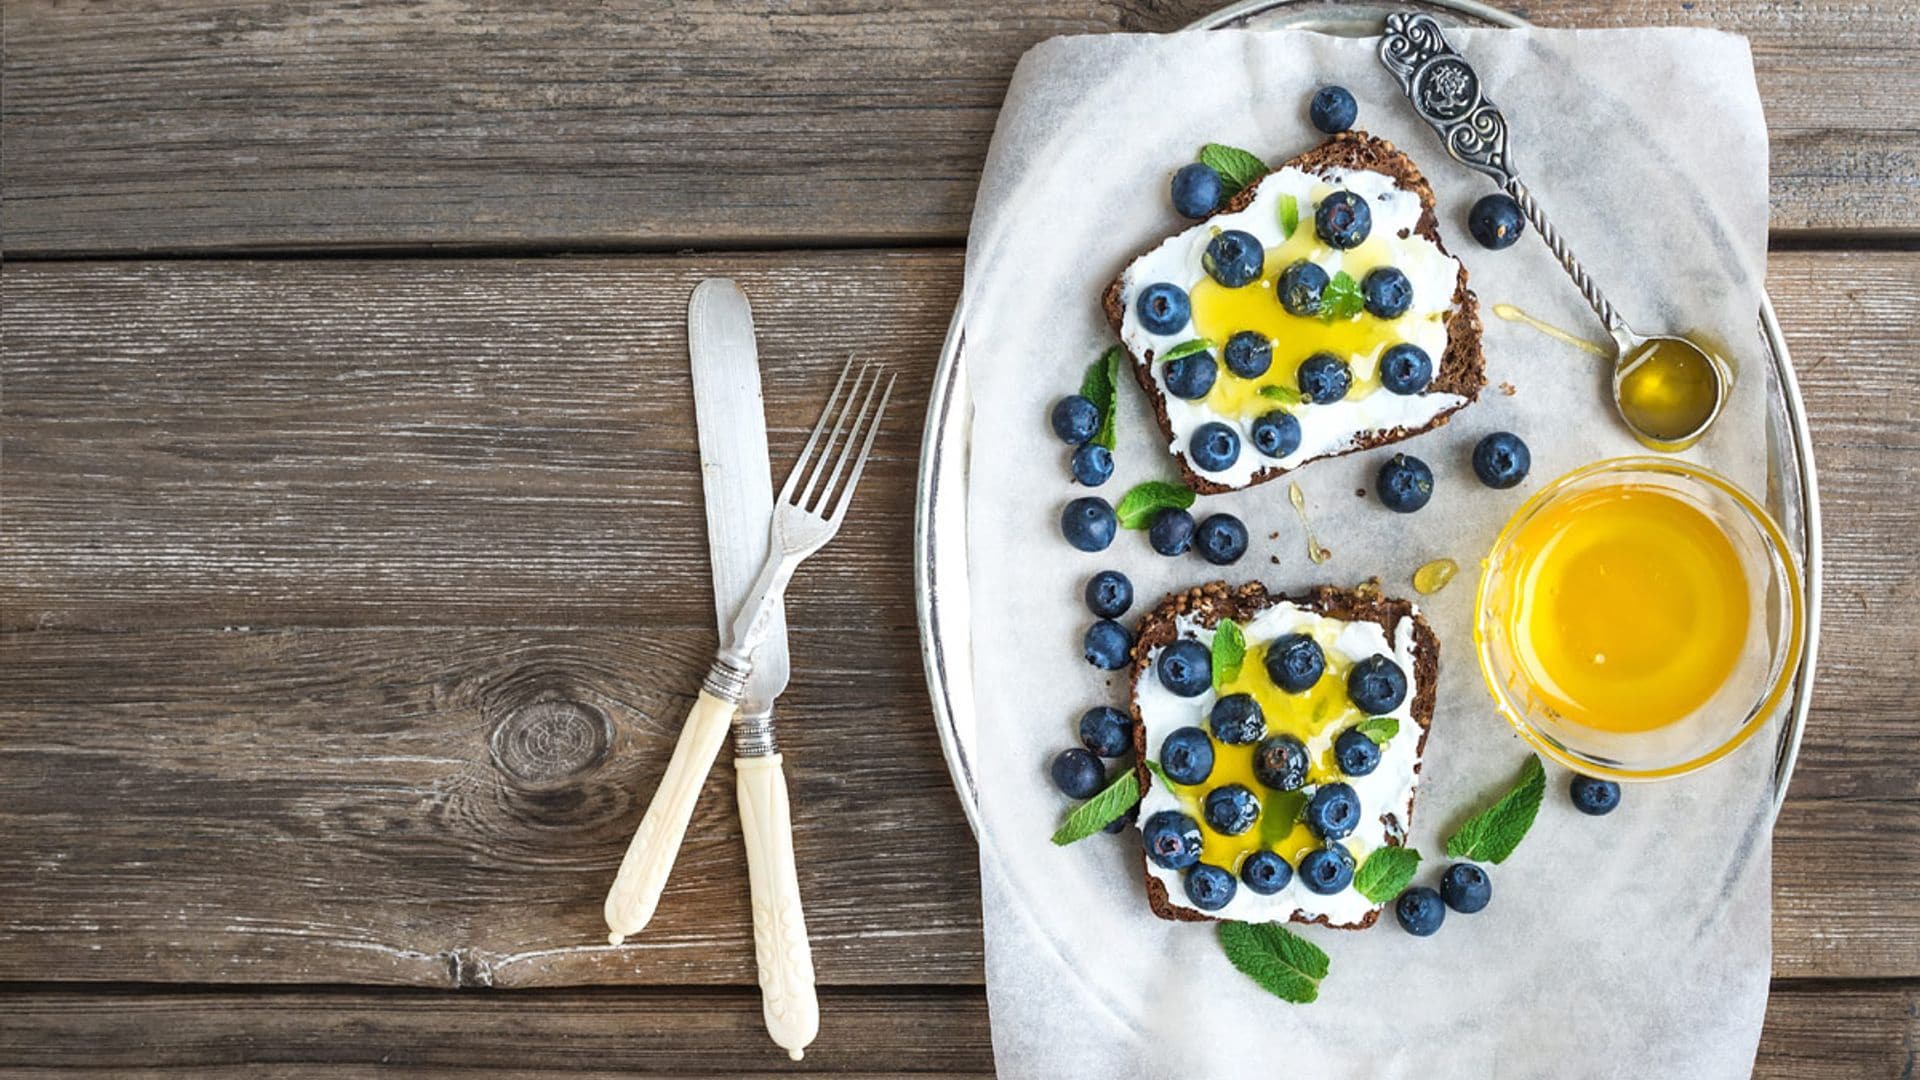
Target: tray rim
<point>935,473</point>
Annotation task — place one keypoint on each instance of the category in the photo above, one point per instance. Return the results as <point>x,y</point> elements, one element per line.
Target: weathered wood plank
<point>226,126</point>
<point>1814,1031</point>
<point>445,807</point>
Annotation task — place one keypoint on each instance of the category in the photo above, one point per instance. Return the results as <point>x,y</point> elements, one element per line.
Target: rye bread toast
<point>1215,601</point>
<point>1460,369</point>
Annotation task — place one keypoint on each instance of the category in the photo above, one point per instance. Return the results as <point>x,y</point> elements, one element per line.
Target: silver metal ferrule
<point>753,735</point>
<point>727,680</point>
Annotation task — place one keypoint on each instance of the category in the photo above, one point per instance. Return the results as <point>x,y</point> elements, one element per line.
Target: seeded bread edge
<point>1217,600</point>
<point>1461,369</point>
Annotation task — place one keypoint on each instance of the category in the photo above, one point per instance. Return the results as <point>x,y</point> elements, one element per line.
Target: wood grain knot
<point>547,744</point>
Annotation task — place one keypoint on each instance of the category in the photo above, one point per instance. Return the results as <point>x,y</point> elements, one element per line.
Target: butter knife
<point>738,486</point>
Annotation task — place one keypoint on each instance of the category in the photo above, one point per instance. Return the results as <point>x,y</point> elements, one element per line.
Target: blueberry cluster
<point>1105,732</point>
<point>1175,841</point>
<point>1076,420</point>
<point>1405,483</point>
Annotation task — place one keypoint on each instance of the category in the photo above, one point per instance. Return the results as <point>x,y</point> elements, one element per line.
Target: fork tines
<point>867,382</point>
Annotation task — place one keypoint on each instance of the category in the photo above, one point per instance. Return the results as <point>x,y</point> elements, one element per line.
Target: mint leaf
<point>1279,816</point>
<point>1229,650</point>
<point>1138,506</point>
<point>1493,833</point>
<point>1186,348</point>
<point>1381,729</point>
<point>1282,394</point>
<point>1285,964</point>
<point>1099,386</point>
<point>1236,167</point>
<point>1289,216</point>
<point>1154,768</point>
<point>1341,299</point>
<point>1385,872</point>
<point>1100,811</point>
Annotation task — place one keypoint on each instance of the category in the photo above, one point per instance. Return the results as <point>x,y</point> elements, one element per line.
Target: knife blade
<point>734,474</point>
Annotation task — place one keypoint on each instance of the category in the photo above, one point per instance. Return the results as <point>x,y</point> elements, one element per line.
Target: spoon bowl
<point>1668,390</point>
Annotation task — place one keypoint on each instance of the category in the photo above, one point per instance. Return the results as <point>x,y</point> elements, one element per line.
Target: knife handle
<point>643,873</point>
<point>780,947</point>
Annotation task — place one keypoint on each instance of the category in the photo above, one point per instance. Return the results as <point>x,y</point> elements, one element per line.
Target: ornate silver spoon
<point>1667,389</point>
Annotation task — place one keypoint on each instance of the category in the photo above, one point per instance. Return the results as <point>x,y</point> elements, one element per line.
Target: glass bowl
<point>1751,693</point>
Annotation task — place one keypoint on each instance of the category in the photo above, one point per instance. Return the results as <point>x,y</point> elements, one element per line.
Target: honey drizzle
<point>1315,550</point>
<point>1514,314</point>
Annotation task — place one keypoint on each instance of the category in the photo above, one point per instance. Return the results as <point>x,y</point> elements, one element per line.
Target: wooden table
<point>354,579</point>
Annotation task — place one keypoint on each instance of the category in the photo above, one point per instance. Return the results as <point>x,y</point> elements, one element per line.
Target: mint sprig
<point>1229,652</point>
<point>1284,394</point>
<point>1285,964</point>
<point>1237,167</point>
<point>1100,811</point>
<point>1381,729</point>
<point>1100,386</point>
<point>1186,348</point>
<point>1280,815</point>
<point>1289,216</point>
<point>1341,299</point>
<point>1385,872</point>
<point>1139,505</point>
<point>1154,768</point>
<point>1493,833</point>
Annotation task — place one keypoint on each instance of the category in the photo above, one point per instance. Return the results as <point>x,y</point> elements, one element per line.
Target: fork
<point>804,519</point>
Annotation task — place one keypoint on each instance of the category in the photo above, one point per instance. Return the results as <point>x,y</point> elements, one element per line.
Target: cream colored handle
<point>787,1000</point>
<point>643,873</point>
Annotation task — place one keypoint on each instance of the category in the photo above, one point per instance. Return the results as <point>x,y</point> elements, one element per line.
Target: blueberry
<point>1214,447</point>
<point>1280,763</point>
<point>1222,539</point>
<point>1249,354</point>
<point>1593,796</point>
<point>1109,594</point>
<point>1088,523</point>
<point>1387,291</point>
<point>1333,812</point>
<point>1295,662</point>
<point>1420,911</point>
<point>1092,465</point>
<point>1501,460</point>
<point>1327,870</point>
<point>1186,668</point>
<point>1237,720</point>
<point>1171,839</point>
<point>1186,756</point>
<point>1119,825</point>
<point>1107,645</point>
<point>1300,288</point>
<point>1376,685</point>
<point>1078,774</point>
<point>1191,376</point>
<point>1196,191</point>
<point>1343,220</point>
<point>1357,754</point>
<point>1323,378</point>
<point>1276,434</point>
<point>1496,221</point>
<point>1405,369</point>
<point>1106,731</point>
<point>1075,419</point>
<point>1232,809</point>
<point>1163,308</point>
<point>1466,888</point>
<point>1209,887</point>
<point>1265,872</point>
<point>1332,109</point>
<point>1405,483</point>
<point>1234,258</point>
<point>1171,532</point>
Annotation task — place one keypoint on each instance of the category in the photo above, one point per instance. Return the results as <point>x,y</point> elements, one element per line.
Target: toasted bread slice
<point>1459,371</point>
<point>1199,611</point>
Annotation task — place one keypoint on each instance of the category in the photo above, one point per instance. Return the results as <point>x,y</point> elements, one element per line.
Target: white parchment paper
<point>1633,945</point>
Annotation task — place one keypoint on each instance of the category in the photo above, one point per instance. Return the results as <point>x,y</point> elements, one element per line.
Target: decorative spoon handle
<point>1446,93</point>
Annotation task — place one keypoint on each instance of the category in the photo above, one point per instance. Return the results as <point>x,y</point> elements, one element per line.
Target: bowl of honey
<point>1639,618</point>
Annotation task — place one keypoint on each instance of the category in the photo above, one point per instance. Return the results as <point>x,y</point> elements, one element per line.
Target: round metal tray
<point>940,530</point>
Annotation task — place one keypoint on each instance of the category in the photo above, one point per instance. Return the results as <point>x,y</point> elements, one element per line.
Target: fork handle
<point>788,1003</point>
<point>643,873</point>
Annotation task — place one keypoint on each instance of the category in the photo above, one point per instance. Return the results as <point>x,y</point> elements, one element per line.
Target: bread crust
<point>1461,369</point>
<point>1217,600</point>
